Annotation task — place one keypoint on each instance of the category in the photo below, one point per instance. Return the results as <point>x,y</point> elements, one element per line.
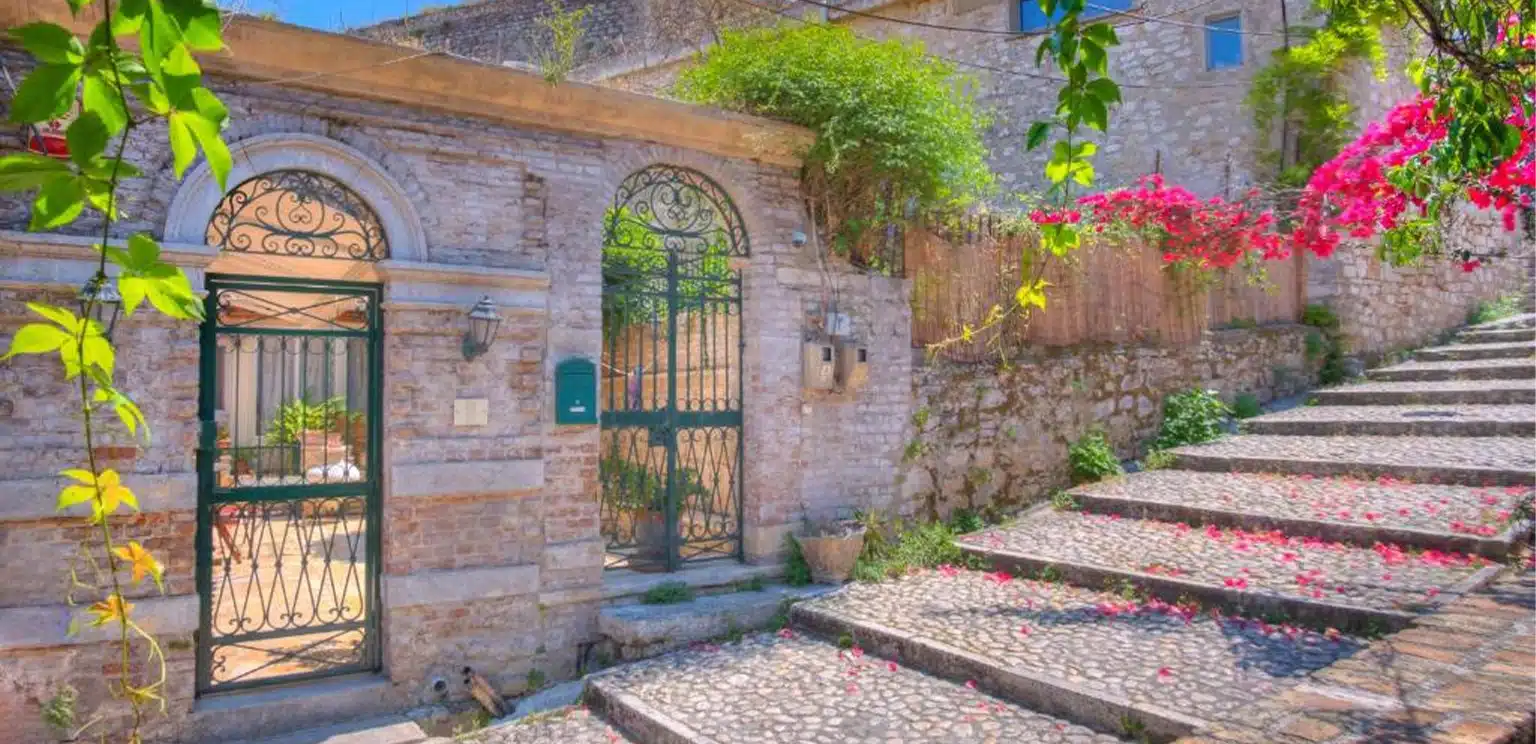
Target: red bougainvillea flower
<point>1165,675</point>
<point>949,571</point>
<point>890,666</point>
<point>1203,233</point>
<point>1352,194</point>
<point>970,684</point>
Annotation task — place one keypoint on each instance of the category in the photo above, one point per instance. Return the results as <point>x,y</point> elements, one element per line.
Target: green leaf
<point>129,17</point>
<point>127,411</point>
<point>36,338</point>
<point>101,98</point>
<point>1037,134</point>
<point>1082,173</point>
<point>1102,34</point>
<point>99,354</point>
<point>50,44</point>
<point>1084,150</point>
<point>64,318</point>
<point>183,142</point>
<point>1094,57</point>
<point>200,26</point>
<point>25,171</point>
<point>1105,90</point>
<point>214,149</point>
<point>46,93</point>
<point>87,137</point>
<point>57,204</point>
<point>143,252</point>
<point>1095,114</point>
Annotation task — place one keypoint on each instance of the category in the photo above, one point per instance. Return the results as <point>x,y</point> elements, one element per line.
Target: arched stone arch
<point>199,194</point>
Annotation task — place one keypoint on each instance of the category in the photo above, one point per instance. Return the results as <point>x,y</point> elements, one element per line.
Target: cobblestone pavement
<point>574,725</point>
<point>1383,578</point>
<point>1403,413</point>
<point>1421,420</point>
<point>1150,653</point>
<point>768,689</point>
<point>1383,503</point>
<point>1497,453</point>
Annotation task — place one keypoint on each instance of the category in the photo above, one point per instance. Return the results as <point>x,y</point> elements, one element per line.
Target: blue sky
<point>335,14</point>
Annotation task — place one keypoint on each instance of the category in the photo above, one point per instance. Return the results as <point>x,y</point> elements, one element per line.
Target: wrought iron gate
<point>288,481</point>
<point>672,384</point>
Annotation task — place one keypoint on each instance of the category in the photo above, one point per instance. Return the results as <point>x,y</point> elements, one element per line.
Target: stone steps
<point>1359,512</point>
<point>1445,392</point>
<point>787,688</point>
<point>1497,336</point>
<point>1468,461</point>
<point>1313,581</point>
<point>1523,320</point>
<point>1089,656</point>
<point>1477,369</point>
<point>1478,350</point>
<point>1414,420</point>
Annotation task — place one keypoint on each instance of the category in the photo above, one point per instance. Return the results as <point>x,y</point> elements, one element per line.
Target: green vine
<point>118,92</point>
<point>1300,90</point>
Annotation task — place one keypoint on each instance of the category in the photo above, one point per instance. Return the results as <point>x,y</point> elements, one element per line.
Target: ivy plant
<point>118,92</point>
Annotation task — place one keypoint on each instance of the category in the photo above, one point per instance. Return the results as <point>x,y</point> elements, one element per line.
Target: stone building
<point>341,480</point>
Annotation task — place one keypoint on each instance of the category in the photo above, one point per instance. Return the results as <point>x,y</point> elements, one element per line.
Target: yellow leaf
<point>110,609</point>
<point>84,476</point>
<point>140,560</point>
<point>112,495</point>
<point>72,495</point>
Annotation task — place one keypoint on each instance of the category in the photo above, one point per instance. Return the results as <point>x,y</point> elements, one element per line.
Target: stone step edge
<point>638,720</point>
<point>1471,352</point>
<point>1363,535</point>
<point>1306,611</point>
<point>1052,696</point>
<point>1489,396</point>
<point>1522,371</point>
<point>1444,475</point>
<point>1391,428</point>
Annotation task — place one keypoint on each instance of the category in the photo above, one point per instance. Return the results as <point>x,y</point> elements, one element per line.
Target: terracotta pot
<point>650,535</point>
<point>831,557</point>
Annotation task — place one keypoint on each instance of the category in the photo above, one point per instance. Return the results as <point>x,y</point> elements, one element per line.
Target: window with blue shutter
<point>1224,43</point>
<point>1032,18</point>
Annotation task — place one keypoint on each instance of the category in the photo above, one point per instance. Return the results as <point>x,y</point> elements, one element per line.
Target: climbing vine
<point>118,93</point>
<point>1300,89</point>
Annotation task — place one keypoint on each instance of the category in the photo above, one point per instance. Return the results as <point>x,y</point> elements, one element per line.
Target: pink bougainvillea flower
<point>890,666</point>
<point>948,570</point>
<point>1235,583</point>
<point>786,633</point>
<point>852,688</point>
<point>970,684</point>
<point>1000,577</point>
<point>1432,592</point>
<point>1372,516</point>
<point>1164,675</point>
<point>858,653</point>
<point>1024,630</point>
<point>1287,557</point>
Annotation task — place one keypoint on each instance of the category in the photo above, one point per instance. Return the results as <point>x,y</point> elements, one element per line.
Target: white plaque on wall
<point>471,411</point>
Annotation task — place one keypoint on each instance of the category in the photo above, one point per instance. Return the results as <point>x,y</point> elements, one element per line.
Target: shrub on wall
<point>1192,417</point>
<point>897,131</point>
<point>1092,458</point>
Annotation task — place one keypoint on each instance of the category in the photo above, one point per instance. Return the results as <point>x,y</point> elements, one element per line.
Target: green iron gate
<point>672,385</point>
<point>288,481</point>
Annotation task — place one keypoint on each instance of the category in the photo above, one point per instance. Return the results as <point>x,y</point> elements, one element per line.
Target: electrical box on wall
<point>852,366</point>
<point>576,392</point>
<point>817,367</point>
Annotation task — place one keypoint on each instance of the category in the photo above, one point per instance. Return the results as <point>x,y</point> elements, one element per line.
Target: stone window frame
<point>199,194</point>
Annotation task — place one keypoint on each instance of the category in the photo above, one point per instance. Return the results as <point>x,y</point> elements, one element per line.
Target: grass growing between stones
<point>889,551</point>
<point>671,592</point>
<point>1488,311</point>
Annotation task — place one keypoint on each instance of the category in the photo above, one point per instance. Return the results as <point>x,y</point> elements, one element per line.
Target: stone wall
<point>508,31</point>
<point>983,436</point>
<point>1382,308</point>
<point>491,552</point>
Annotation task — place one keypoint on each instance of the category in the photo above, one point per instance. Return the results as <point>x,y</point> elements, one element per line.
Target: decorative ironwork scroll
<point>667,207</point>
<point>297,213</point>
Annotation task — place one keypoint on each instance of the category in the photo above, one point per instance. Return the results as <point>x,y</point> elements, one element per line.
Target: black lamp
<point>101,300</point>
<point>483,321</point>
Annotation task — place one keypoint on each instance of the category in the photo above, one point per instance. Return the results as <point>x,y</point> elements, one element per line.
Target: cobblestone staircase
<point>1242,596</point>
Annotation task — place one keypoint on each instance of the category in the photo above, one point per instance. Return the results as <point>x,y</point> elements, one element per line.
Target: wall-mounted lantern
<point>483,321</point>
<point>107,303</point>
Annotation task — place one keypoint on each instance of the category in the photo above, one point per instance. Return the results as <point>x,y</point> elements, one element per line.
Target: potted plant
<point>638,497</point>
<point>831,548</point>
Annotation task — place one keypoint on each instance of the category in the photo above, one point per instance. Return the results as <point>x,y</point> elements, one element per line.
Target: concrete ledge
<point>48,625</point>
<point>268,712</point>
<point>459,585</point>
<point>34,498</point>
<point>447,478</point>
<point>642,630</point>
<point>421,285</point>
<point>69,260</point>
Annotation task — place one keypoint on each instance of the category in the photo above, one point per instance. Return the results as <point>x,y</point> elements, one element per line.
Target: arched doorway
<point>672,392</point>
<point>289,451</point>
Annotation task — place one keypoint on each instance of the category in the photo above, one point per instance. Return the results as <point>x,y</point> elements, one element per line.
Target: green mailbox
<point>576,392</point>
